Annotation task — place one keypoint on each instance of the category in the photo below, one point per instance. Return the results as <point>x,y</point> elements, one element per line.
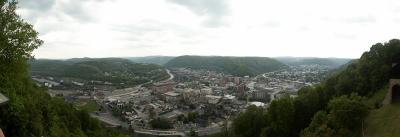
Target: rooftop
<point>258,104</point>
<point>174,94</point>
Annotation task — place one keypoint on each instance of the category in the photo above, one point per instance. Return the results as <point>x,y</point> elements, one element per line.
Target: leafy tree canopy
<point>31,112</point>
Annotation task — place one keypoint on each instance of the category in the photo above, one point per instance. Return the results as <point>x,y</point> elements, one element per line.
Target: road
<point>272,95</point>
<point>171,76</point>
<point>108,118</point>
<point>160,132</point>
<point>134,89</point>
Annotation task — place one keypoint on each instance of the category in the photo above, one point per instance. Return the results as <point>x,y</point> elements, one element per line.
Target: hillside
<point>336,107</point>
<point>30,111</point>
<point>159,60</point>
<point>329,62</point>
<point>240,66</point>
<point>383,122</point>
<point>114,70</point>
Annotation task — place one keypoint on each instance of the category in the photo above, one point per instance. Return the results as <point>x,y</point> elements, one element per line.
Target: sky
<point>267,28</point>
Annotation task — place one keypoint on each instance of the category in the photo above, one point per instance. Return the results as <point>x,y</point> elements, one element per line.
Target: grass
<point>383,122</point>
<point>90,106</point>
<point>376,100</point>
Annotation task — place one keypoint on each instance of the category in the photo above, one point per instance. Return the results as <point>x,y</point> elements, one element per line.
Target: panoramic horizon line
<point>197,55</point>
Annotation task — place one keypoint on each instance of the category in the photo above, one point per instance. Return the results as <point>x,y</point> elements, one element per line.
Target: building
<point>213,99</point>
<point>171,116</point>
<point>191,96</point>
<point>172,96</point>
<point>45,82</point>
<point>163,87</point>
<point>260,95</point>
<point>257,104</point>
<point>206,91</point>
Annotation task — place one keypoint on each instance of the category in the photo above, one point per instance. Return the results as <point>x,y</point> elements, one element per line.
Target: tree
<point>31,112</point>
<point>318,127</point>
<point>18,39</point>
<point>281,118</point>
<point>250,123</point>
<point>344,119</point>
<point>347,112</point>
<point>161,123</point>
<point>192,133</point>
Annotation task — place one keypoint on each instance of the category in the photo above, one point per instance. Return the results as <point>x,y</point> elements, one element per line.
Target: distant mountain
<point>330,62</point>
<point>339,106</point>
<point>240,66</point>
<point>159,60</point>
<point>114,70</point>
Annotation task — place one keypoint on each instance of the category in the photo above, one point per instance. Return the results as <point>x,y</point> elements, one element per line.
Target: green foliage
<point>344,119</point>
<point>365,77</point>
<point>18,38</point>
<point>375,101</point>
<point>159,60</point>
<point>192,133</point>
<point>90,106</point>
<point>319,126</point>
<point>31,112</point>
<point>114,70</point>
<point>250,123</point>
<point>330,62</point>
<point>280,118</point>
<point>240,66</point>
<point>383,122</point>
<point>160,123</point>
<point>347,111</point>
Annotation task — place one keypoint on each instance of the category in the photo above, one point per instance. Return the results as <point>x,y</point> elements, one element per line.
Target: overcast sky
<point>122,28</point>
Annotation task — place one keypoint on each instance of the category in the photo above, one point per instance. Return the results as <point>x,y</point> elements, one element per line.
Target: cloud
<point>76,10</point>
<point>361,19</point>
<point>272,24</point>
<point>39,5</point>
<point>345,36</point>
<point>33,9</point>
<point>104,28</point>
<point>214,10</point>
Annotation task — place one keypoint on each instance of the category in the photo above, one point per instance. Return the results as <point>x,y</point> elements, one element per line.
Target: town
<point>199,101</point>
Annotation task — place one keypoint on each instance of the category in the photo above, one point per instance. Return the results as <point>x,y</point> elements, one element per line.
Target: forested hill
<point>159,60</point>
<point>240,66</point>
<point>329,62</point>
<point>335,108</point>
<point>114,70</point>
<point>30,111</point>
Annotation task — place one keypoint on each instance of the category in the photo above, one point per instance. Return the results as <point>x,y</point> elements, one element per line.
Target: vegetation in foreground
<point>337,107</point>
<point>31,112</point>
<point>383,122</point>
